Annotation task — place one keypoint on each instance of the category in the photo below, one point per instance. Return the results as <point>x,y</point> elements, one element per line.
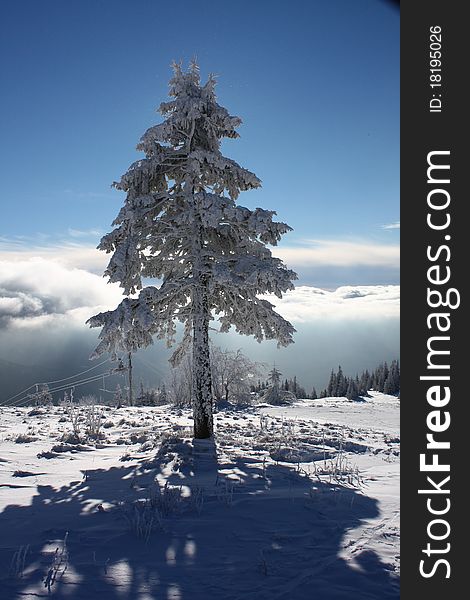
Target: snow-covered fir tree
<point>118,398</point>
<point>162,396</point>
<point>42,396</point>
<point>274,393</point>
<point>392,382</point>
<point>352,391</point>
<point>274,378</point>
<point>180,224</point>
<point>141,397</point>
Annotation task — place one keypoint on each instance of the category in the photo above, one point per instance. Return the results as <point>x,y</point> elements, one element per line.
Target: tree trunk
<point>201,380</point>
<point>201,374</point>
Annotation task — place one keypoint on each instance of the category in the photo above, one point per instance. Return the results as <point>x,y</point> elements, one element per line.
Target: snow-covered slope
<point>289,503</point>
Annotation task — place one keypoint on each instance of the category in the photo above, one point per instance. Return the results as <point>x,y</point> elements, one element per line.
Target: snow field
<point>292,502</point>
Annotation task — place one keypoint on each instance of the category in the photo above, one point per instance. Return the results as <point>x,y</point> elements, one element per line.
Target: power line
<point>22,392</point>
<point>92,379</point>
<point>77,374</point>
<point>52,382</point>
<point>149,366</point>
<point>61,388</point>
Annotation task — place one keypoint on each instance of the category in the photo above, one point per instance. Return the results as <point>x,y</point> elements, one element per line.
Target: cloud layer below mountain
<point>45,302</point>
<point>36,292</point>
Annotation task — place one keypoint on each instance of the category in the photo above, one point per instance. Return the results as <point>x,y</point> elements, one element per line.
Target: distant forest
<point>385,378</point>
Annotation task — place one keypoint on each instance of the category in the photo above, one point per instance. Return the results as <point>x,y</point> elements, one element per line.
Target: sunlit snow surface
<point>290,503</point>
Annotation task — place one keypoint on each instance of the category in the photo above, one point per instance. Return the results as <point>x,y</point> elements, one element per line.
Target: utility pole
<point>129,374</point>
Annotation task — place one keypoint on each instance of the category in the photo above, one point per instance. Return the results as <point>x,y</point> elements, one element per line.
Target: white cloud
<point>395,225</point>
<point>63,282</point>
<point>80,233</point>
<point>67,254</point>
<point>338,253</point>
<point>21,303</point>
<point>37,291</point>
<point>310,304</point>
<point>313,253</point>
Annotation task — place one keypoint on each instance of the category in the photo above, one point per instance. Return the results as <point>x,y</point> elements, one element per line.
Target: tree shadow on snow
<point>241,530</point>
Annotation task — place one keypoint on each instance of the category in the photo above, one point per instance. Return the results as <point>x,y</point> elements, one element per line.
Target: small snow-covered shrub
<point>63,447</point>
<point>121,440</point>
<point>166,500</point>
<point>18,562</point>
<point>146,446</point>
<point>46,454</point>
<point>94,420</point>
<point>263,422</point>
<point>142,518</point>
<point>138,438</point>
<point>181,431</point>
<point>196,500</point>
<point>70,437</point>
<point>35,412</point>
<point>224,491</point>
<point>72,412</point>
<point>58,566</point>
<point>24,438</point>
<point>339,469</point>
<point>20,473</point>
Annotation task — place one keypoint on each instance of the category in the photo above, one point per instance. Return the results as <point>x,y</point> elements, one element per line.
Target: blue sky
<point>316,83</point>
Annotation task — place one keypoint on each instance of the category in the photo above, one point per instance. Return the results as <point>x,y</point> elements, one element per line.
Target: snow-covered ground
<point>289,503</point>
